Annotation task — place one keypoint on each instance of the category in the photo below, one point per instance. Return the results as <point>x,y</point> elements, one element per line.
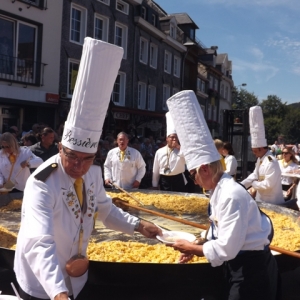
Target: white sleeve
<point>141,167</point>
<point>108,166</point>
<point>155,171</point>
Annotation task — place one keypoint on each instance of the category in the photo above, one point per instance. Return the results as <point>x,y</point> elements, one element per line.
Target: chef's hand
<point>61,296</point>
<point>149,229</point>
<point>135,185</point>
<point>184,258</point>
<point>107,182</point>
<point>187,248</point>
<point>24,164</point>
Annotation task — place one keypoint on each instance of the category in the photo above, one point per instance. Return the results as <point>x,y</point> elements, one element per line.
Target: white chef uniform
<point>266,180</point>
<point>125,172</point>
<point>239,231</point>
<point>231,165</point>
<point>176,163</point>
<point>50,225</point>
<point>19,175</point>
<point>51,213</point>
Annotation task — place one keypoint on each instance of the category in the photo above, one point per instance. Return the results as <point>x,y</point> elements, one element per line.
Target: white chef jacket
<point>266,180</point>
<point>238,223</point>
<point>231,165</point>
<point>19,176</point>
<point>285,179</point>
<point>125,172</point>
<point>176,163</point>
<point>50,225</point>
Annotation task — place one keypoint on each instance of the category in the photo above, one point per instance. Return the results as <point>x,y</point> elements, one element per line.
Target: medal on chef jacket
<point>98,70</point>
<point>170,130</point>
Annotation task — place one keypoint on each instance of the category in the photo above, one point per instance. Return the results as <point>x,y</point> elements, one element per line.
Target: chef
<point>169,163</point>
<point>266,177</point>
<point>124,165</point>
<point>61,196</point>
<point>240,233</point>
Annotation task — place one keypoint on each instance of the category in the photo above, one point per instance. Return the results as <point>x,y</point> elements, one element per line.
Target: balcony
<point>23,71</point>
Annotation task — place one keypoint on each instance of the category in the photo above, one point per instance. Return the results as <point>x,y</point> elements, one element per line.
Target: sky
<point>261,38</point>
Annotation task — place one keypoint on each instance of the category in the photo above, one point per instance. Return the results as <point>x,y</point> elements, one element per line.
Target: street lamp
<point>243,84</point>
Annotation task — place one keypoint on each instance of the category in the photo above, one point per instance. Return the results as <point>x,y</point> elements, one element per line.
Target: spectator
<point>14,131</point>
<point>45,148</point>
<point>29,139</point>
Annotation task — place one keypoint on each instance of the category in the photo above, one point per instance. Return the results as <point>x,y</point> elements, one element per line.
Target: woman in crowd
<point>230,160</point>
<point>287,164</point>
<point>15,162</point>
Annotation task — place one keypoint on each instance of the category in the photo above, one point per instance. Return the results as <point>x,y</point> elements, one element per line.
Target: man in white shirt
<point>169,163</point>
<point>124,165</point>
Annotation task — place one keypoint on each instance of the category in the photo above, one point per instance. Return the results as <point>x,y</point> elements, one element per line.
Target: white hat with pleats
<point>170,124</point>
<point>257,127</point>
<point>195,139</point>
<point>99,66</point>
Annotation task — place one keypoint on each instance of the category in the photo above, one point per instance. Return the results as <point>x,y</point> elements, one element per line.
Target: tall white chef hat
<point>170,125</point>
<point>257,128</point>
<point>196,142</point>
<point>97,73</point>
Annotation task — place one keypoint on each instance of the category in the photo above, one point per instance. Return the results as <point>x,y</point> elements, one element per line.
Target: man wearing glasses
<point>266,177</point>
<point>62,196</point>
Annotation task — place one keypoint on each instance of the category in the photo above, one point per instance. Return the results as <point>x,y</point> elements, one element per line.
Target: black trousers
<point>173,183</point>
<point>253,275</point>
<point>25,296</point>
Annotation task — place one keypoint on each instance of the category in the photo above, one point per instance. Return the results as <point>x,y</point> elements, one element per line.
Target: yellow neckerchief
<point>286,164</point>
<point>12,158</point>
<point>222,159</point>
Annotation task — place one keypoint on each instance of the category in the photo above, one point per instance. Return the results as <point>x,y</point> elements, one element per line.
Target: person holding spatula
<point>240,234</point>
<point>62,196</point>
<point>15,162</point>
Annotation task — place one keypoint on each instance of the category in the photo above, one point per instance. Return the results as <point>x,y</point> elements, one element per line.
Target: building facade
<point>29,62</point>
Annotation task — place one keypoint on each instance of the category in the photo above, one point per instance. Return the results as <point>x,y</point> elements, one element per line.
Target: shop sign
<point>52,98</point>
<point>121,115</point>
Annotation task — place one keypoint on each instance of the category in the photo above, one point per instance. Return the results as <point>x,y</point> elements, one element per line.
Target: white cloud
<point>257,53</point>
<point>261,71</point>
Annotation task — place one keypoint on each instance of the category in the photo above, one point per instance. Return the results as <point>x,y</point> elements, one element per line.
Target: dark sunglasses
<point>5,147</point>
<point>285,153</point>
<point>193,176</point>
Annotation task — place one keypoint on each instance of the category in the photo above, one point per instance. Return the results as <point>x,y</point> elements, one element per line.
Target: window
<point>118,94</point>
<point>222,90</point>
<point>142,95</point>
<point>177,62</point>
<point>121,37</point>
<point>153,55</point>
<point>18,50</point>
<point>101,28</point>
<point>210,82</point>
<point>122,6</point>
<point>167,63</point>
<point>153,19</point>
<point>78,24</point>
<point>172,31</point>
<point>105,1</point>
<point>226,93</point>
<point>151,98</point>
<point>143,12</point>
<point>143,50</point>
<point>200,85</point>
<point>38,3</point>
<point>73,72</point>
<point>216,83</point>
<point>175,91</point>
<point>166,96</point>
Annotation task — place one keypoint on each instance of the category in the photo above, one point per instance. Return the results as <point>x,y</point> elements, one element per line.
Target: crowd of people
<point>154,155</point>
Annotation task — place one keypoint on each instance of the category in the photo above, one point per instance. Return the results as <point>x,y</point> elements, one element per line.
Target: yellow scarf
<point>286,164</point>
<point>12,158</point>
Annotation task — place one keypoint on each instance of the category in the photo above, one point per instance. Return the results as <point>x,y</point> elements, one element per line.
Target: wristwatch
<point>137,225</point>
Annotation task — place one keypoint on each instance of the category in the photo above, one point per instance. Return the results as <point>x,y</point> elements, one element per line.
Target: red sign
<point>52,98</point>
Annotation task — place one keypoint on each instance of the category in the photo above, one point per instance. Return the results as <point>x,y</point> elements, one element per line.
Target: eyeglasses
<point>5,147</point>
<point>75,159</point>
<point>193,176</point>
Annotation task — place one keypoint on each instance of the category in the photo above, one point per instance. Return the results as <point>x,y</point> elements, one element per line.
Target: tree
<point>273,107</point>
<point>242,99</point>
<point>291,125</point>
<point>272,129</point>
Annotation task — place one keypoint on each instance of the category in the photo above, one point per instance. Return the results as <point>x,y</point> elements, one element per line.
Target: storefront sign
<point>52,98</point>
<point>121,115</point>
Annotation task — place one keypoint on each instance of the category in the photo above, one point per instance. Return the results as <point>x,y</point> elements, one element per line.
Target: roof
<point>221,58</point>
<point>184,18</point>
